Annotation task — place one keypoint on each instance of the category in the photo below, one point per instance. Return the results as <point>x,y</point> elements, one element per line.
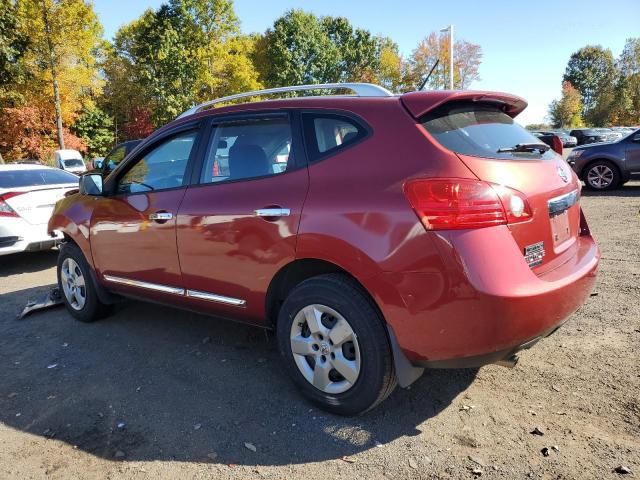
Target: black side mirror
<point>91,184</point>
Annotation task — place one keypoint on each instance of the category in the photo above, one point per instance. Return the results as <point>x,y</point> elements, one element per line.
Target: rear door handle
<point>160,216</point>
<point>272,212</point>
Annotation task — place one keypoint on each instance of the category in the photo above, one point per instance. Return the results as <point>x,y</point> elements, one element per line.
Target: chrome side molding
<point>149,286</point>
<point>212,297</point>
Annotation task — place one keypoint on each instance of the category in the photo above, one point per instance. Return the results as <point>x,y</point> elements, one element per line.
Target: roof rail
<point>360,90</point>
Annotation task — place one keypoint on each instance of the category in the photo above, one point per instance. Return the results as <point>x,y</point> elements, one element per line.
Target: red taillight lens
<point>5,209</point>
<point>459,203</point>
<point>557,145</point>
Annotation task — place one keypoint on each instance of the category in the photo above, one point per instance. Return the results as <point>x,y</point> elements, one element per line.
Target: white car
<point>69,160</point>
<point>28,194</point>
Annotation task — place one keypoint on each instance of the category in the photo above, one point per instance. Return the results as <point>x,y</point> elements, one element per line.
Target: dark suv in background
<point>606,166</point>
<point>585,136</point>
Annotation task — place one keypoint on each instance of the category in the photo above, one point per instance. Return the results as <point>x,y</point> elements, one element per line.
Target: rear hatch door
<point>483,134</point>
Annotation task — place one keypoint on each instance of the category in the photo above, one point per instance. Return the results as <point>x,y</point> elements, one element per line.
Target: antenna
<point>426,79</point>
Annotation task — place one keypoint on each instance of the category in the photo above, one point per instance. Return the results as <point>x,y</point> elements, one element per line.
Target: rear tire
<point>77,287</point>
<point>601,175</point>
<point>335,345</point>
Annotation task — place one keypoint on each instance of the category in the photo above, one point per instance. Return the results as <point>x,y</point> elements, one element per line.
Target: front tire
<point>335,346</point>
<point>602,175</point>
<point>76,285</point>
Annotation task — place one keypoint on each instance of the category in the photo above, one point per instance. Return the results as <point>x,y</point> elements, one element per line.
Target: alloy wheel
<point>73,284</point>
<point>325,349</point>
<point>600,176</point>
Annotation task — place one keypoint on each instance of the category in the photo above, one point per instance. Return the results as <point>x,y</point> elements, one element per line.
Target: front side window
<point>248,149</point>
<point>328,133</point>
<point>481,130</point>
<point>161,168</point>
<point>114,157</point>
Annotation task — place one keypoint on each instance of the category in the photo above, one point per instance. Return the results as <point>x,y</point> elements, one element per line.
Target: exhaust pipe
<point>509,362</point>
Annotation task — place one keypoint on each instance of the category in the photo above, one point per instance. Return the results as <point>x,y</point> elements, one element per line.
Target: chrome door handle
<point>272,212</point>
<point>162,216</point>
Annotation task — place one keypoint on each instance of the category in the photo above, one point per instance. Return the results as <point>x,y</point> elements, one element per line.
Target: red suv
<point>376,234</point>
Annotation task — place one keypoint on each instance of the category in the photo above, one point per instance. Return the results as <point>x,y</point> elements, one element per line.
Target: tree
<point>61,58</point>
<point>592,72</point>
<point>299,51</point>
<point>29,132</point>
<point>13,44</point>
<point>625,107</point>
<point>567,112</point>
<point>139,125</point>
<point>390,69</point>
<point>95,128</point>
<point>434,47</point>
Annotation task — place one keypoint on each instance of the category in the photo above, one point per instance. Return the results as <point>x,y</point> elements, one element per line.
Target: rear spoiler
<point>419,103</point>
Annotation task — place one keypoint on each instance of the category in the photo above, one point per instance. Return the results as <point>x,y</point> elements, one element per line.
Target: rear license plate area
<point>560,229</point>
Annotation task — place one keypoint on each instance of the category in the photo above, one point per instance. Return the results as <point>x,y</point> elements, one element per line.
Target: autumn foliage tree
<point>567,112</point>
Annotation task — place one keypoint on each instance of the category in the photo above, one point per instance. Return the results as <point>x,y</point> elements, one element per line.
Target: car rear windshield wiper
<point>526,147</point>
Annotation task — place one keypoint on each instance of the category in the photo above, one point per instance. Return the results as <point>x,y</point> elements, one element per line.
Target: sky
<point>525,44</point>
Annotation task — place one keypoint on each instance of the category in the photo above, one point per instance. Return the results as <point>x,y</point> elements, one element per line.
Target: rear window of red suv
<point>481,130</point>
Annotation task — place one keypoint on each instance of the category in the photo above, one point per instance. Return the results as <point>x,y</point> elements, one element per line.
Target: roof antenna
<point>426,79</point>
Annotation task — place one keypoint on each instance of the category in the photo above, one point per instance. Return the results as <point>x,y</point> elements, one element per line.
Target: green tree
<point>299,51</point>
<point>567,112</point>
<point>95,128</point>
<point>625,108</point>
<point>591,70</point>
<point>13,43</point>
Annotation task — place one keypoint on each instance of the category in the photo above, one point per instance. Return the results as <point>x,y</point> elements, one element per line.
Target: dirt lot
<point>152,392</point>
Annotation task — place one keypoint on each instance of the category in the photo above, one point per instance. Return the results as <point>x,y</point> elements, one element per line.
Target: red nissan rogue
<point>376,234</point>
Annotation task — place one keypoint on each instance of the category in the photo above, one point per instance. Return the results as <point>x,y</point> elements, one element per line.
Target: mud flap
<point>405,371</point>
<point>51,299</point>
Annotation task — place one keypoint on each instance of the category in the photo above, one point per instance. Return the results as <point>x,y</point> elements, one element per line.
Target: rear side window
<point>329,133</point>
<point>35,177</point>
<point>480,130</point>
<point>246,149</point>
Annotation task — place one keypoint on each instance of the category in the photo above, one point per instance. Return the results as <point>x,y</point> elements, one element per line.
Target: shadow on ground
<point>184,386</point>
<point>27,262</point>
<point>629,190</point>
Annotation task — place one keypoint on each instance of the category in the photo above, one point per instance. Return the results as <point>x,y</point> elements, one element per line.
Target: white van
<point>69,160</point>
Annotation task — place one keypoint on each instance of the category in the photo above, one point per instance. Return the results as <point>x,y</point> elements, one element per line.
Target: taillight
<point>460,203</point>
<point>5,209</point>
<point>557,145</point>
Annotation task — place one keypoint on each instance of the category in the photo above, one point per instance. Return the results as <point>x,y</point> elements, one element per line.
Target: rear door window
<point>326,134</point>
<point>246,149</point>
<point>480,130</point>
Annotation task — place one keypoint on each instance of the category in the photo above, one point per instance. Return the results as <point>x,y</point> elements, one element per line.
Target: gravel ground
<point>153,392</point>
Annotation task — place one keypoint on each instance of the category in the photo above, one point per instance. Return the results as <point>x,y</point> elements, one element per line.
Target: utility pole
<point>450,30</point>
<point>54,74</point>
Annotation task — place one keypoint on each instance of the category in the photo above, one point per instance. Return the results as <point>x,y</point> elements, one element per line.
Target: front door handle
<point>272,212</point>
<point>161,216</point>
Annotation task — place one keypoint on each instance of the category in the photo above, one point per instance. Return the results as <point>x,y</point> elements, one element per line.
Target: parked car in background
<point>551,139</point>
<point>467,248</point>
<point>69,160</point>
<point>117,154</point>
<point>606,166</point>
<point>28,194</point>
<point>588,135</point>
<point>567,140</point>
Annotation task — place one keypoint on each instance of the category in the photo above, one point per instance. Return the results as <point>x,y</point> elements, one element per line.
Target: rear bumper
<point>16,235</point>
<point>484,303</point>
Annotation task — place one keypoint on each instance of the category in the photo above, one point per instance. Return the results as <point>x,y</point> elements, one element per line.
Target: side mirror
<point>91,184</point>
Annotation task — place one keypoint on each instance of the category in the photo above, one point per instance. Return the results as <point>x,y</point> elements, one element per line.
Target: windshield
<point>481,130</point>
<point>35,177</point>
<point>73,162</point>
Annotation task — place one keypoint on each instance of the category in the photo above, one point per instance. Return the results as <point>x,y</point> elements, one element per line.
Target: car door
<point>133,227</point>
<point>632,158</point>
<point>237,227</point>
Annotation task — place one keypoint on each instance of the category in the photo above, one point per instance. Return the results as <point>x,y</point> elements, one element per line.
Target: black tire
<point>376,379</point>
<point>93,309</point>
<point>602,164</point>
